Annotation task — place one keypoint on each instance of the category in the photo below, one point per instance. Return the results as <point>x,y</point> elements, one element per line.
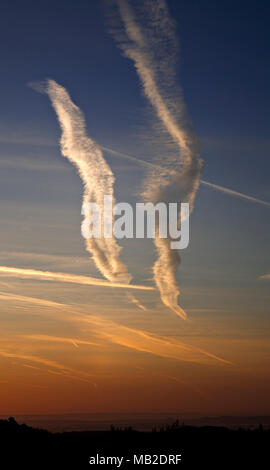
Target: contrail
<point>217,187</point>
<point>133,300</point>
<point>135,339</point>
<point>150,42</point>
<point>61,368</point>
<point>95,173</point>
<point>22,273</point>
<point>140,340</point>
<point>232,192</point>
<point>30,300</point>
<point>60,339</point>
<point>29,164</point>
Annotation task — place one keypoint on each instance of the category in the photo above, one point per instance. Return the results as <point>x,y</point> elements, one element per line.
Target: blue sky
<point>224,70</point>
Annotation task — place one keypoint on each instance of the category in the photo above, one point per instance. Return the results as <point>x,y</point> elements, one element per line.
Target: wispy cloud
<point>25,136</point>
<point>7,271</point>
<point>135,301</point>
<point>60,368</point>
<point>150,42</point>
<point>31,164</point>
<point>95,173</point>
<point>30,300</point>
<point>51,261</point>
<point>140,340</point>
<point>135,339</point>
<point>60,339</point>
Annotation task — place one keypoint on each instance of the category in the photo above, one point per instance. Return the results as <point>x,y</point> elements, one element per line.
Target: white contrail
<point>30,164</point>
<point>22,273</point>
<point>151,45</point>
<point>95,173</point>
<point>217,187</point>
<point>232,192</point>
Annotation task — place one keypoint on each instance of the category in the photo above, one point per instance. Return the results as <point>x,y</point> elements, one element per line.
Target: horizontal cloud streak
<point>132,338</point>
<point>139,340</point>
<point>30,164</point>
<point>61,368</point>
<point>50,262</point>
<point>7,271</point>
<point>60,339</point>
<point>31,300</point>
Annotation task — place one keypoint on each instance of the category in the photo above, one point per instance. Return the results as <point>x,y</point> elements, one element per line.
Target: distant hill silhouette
<point>201,447</point>
<point>71,422</point>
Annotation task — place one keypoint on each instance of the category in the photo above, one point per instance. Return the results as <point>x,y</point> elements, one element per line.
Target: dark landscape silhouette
<point>200,447</point>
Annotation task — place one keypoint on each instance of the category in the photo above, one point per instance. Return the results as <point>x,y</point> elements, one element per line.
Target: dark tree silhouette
<point>208,447</point>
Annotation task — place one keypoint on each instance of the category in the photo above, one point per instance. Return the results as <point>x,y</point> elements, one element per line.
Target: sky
<point>72,347</point>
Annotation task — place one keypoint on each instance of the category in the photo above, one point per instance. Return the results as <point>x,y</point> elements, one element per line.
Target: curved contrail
<point>149,40</point>
<point>95,173</point>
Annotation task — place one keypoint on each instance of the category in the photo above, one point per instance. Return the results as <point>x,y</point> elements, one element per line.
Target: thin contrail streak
<point>60,339</point>
<point>232,192</point>
<point>135,339</point>
<point>30,300</point>
<point>52,167</point>
<point>7,271</point>
<point>217,187</point>
<point>140,340</point>
<point>61,368</point>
